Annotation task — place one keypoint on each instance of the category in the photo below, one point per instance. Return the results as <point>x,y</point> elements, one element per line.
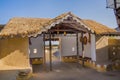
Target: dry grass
<point>97,27</point>
<point>29,26</point>
<point>23,26</point>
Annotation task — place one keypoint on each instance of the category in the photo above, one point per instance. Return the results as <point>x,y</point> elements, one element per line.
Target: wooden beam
<point>77,47</point>
<point>82,50</point>
<point>115,4</point>
<point>44,56</point>
<point>76,27</point>
<point>53,39</point>
<point>62,30</point>
<point>50,51</point>
<point>80,27</point>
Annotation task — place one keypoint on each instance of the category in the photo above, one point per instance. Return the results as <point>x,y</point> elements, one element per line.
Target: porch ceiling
<point>69,27</point>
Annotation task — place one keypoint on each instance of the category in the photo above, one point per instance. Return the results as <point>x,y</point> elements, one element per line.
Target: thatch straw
<point>93,25</point>
<point>29,26</point>
<point>97,27</point>
<point>23,26</point>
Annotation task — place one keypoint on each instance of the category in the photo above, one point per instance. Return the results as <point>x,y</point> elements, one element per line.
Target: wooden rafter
<point>75,27</point>
<point>62,30</point>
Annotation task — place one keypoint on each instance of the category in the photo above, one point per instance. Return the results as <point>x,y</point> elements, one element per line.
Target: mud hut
<point>21,36</point>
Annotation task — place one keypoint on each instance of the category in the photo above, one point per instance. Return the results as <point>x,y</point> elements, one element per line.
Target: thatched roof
<point>97,27</point>
<point>33,26</point>
<point>94,26</point>
<point>23,26</point>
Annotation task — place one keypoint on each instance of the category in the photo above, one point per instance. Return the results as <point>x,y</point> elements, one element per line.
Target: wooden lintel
<point>76,27</point>
<point>62,30</point>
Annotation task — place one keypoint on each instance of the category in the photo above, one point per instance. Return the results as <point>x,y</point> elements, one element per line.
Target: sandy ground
<point>8,74</point>
<point>11,72</point>
<point>70,71</point>
<point>61,71</point>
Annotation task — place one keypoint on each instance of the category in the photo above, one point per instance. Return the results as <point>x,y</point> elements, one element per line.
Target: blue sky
<point>85,9</point>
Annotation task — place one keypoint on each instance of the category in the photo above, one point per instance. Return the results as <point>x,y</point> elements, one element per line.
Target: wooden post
<point>77,47</point>
<point>44,56</point>
<point>82,49</point>
<point>50,51</point>
<point>115,4</point>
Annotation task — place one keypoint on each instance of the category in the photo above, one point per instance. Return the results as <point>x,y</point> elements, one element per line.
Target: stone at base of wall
<point>114,67</point>
<point>101,68</point>
<point>93,65</point>
<point>69,59</point>
<point>36,60</point>
<point>24,75</point>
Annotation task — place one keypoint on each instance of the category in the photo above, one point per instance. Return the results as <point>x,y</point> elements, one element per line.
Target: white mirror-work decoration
<point>34,51</point>
<point>114,53</point>
<point>73,49</point>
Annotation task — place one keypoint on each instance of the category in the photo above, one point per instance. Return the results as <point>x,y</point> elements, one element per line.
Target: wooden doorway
<point>55,43</point>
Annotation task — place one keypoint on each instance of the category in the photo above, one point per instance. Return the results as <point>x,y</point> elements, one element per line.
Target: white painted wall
<point>93,47</point>
<point>87,48</point>
<point>68,45</point>
<point>37,43</point>
<point>69,42</point>
<point>80,44</point>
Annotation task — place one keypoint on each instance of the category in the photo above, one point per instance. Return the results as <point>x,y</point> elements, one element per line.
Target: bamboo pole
<point>77,47</point>
<point>50,51</point>
<point>44,60</point>
<point>82,49</point>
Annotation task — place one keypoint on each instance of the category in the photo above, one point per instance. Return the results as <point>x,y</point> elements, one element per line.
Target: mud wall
<point>14,52</point>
